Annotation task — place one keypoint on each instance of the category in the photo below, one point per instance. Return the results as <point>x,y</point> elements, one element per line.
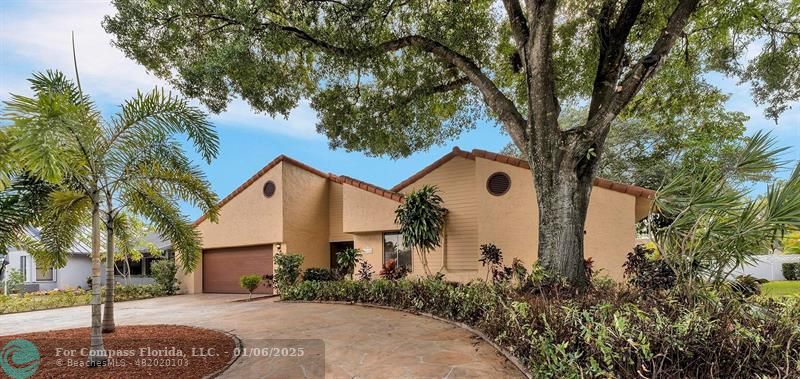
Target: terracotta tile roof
<point>600,182</point>
<point>368,187</point>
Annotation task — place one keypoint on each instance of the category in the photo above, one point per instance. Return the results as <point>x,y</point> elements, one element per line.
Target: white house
<point>79,267</point>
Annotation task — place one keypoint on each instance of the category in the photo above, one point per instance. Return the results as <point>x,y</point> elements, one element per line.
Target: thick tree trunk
<point>108,307</point>
<point>97,354</point>
<point>563,199</point>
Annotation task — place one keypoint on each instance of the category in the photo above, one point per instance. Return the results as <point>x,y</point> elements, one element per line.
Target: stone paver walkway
<point>359,342</point>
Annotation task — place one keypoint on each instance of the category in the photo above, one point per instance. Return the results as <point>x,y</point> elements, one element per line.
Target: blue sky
<point>35,36</point>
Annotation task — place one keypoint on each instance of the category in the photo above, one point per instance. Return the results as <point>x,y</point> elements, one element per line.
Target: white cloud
<point>37,35</point>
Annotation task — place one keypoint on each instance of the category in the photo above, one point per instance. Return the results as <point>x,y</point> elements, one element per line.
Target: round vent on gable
<point>269,188</point>
<point>498,183</point>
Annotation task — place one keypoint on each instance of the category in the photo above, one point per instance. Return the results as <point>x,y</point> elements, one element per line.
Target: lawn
<point>781,288</point>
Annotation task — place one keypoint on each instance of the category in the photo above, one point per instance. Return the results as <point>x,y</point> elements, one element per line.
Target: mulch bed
<point>161,351</point>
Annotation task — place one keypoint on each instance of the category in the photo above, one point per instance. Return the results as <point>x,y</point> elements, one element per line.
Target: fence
<point>768,266</point>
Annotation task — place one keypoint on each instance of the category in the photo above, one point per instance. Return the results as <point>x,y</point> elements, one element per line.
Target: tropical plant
<point>492,259</point>
<point>644,270</point>
<point>364,270</point>
<point>395,77</point>
<point>250,283</point>
<point>704,227</point>
<point>421,217</point>
<point>392,271</point>
<point>287,270</point>
<point>347,259</point>
<point>163,272</point>
<point>319,274</point>
<point>131,160</point>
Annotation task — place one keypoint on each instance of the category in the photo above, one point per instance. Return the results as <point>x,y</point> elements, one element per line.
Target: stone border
<point>510,357</point>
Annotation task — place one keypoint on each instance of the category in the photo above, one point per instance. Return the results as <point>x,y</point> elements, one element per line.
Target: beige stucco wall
<point>336,213</point>
<point>510,221</point>
<point>249,218</point>
<point>365,211</point>
<point>305,216</point>
<point>371,245</point>
<point>456,181</point>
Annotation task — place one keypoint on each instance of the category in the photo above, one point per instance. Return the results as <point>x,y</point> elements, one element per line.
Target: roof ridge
<point>369,187</point>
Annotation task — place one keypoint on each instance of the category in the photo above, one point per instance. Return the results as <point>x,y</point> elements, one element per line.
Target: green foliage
<point>421,217</point>
<point>791,271</point>
<point>287,269</point>
<point>391,271</point>
<point>250,283</point>
<point>347,260</point>
<point>319,274</point>
<point>600,334</point>
<point>704,227</point>
<point>791,243</point>
<point>15,280</point>
<point>35,301</point>
<point>163,272</point>
<point>645,270</point>
<point>747,285</point>
<point>364,270</point>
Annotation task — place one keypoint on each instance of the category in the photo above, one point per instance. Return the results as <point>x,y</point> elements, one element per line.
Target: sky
<point>35,36</point>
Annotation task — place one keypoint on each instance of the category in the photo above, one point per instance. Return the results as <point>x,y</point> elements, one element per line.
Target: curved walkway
<point>359,342</point>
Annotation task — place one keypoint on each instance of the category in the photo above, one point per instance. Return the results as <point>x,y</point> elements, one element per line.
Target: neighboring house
<point>78,267</point>
<point>289,207</point>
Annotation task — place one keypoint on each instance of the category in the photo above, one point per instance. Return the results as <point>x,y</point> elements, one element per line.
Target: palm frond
<point>65,217</point>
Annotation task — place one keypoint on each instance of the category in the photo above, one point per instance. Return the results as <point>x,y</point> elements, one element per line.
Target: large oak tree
<point>391,77</point>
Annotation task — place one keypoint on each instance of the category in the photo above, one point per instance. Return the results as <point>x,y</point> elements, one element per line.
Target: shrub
<point>250,283</point>
<point>601,334</point>
<point>643,270</point>
<point>422,221</point>
<point>364,270</point>
<point>71,297</point>
<point>791,271</point>
<point>347,260</point>
<point>319,274</point>
<point>287,269</point>
<point>163,272</point>
<point>392,271</point>
<point>16,281</point>
<point>747,285</point>
<point>492,259</point>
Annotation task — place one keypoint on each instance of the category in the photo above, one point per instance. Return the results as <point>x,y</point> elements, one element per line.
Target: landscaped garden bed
<point>35,301</point>
<point>610,331</point>
<point>159,351</point>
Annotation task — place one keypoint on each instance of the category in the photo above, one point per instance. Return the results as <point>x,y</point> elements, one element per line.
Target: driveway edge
<point>510,357</point>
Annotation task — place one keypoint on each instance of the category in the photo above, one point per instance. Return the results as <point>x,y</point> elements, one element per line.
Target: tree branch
<point>645,68</point>
<point>519,25</point>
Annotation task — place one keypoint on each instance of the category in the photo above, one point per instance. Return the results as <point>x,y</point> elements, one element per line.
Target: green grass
<point>781,288</point>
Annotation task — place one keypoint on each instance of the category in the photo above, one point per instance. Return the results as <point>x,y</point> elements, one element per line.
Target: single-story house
<point>76,272</point>
<point>289,207</point>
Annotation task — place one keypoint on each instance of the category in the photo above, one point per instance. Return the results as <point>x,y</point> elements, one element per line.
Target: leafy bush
<point>392,271</point>
<point>16,281</point>
<point>364,270</point>
<point>601,334</point>
<point>287,269</point>
<point>319,274</point>
<point>163,272</point>
<point>645,271</point>
<point>492,259</point>
<point>791,271</point>
<point>747,285</point>
<point>250,283</point>
<point>422,220</point>
<point>347,260</point>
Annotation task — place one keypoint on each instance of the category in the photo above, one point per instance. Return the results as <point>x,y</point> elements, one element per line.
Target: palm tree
<point>132,160</point>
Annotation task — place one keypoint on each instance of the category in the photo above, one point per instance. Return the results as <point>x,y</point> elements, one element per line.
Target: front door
<point>337,247</point>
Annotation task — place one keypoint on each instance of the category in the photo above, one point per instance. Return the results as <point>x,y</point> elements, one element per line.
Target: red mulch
<point>204,352</point>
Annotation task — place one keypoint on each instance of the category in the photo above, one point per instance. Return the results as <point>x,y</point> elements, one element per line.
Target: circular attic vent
<point>498,183</point>
<point>269,189</point>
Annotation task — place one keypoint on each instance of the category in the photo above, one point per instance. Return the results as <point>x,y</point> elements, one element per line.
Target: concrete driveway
<point>359,342</point>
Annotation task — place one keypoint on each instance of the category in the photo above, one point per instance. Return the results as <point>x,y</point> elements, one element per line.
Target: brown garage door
<point>222,268</point>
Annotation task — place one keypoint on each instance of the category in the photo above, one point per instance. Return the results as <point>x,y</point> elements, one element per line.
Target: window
<point>45,274</point>
<point>23,267</point>
<point>269,189</point>
<point>393,248</point>
<point>498,183</point>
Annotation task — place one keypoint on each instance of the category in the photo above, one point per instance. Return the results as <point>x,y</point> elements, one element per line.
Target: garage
<point>223,267</point>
